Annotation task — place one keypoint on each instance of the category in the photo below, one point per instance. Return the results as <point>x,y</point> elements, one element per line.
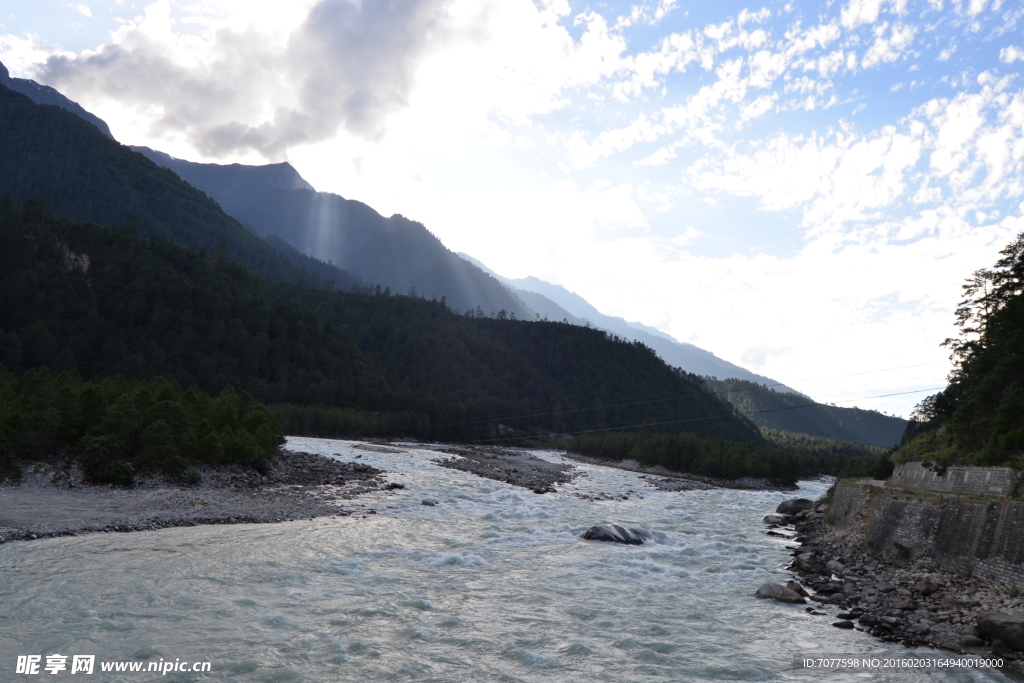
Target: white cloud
<point>891,48</point>
<point>1011,54</point>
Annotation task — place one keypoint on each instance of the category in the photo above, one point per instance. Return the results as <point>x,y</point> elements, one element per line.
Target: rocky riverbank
<point>910,603</point>
<point>54,498</point>
<point>510,465</point>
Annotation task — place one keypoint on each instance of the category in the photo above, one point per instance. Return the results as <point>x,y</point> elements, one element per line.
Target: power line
<point>665,396</point>
<point>719,417</point>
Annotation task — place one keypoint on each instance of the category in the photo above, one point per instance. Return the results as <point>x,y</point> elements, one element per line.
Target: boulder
<point>834,566</point>
<point>925,586</point>
<point>793,506</point>
<point>797,588</point>
<point>884,587</point>
<point>1008,628</point>
<point>775,519</point>
<point>779,592</point>
<point>843,624</point>
<point>614,533</point>
<point>808,562</point>
<point>971,641</point>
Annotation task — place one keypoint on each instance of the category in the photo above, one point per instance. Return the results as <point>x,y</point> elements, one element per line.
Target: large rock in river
<point>779,592</point>
<point>614,533</point>
<point>1008,628</point>
<point>793,506</point>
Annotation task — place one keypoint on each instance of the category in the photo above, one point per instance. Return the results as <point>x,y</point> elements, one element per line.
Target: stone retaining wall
<point>996,482</point>
<point>982,537</point>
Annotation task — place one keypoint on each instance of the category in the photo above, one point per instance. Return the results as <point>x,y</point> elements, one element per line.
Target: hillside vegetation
<point>789,412</point>
<point>979,417</point>
<point>775,460</point>
<point>118,426</point>
<point>107,302</point>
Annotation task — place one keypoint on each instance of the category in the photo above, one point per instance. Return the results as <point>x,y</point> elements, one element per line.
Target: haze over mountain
<point>392,252</point>
<point>558,303</point>
<point>48,154</point>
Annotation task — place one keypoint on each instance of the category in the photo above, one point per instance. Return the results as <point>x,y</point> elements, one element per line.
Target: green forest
<point>789,412</point>
<point>979,417</point>
<point>118,426</point>
<point>723,459</point>
<point>106,302</point>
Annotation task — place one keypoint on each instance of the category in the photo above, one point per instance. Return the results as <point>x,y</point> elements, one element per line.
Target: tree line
<point>118,426</point>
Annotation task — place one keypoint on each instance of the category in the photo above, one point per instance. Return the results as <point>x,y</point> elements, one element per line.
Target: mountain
<point>54,156</point>
<point>107,302</point>
<point>44,94</point>
<point>789,412</point>
<point>558,303</point>
<point>393,252</point>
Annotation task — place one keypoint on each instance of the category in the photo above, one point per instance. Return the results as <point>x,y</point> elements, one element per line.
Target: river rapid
<point>493,583</point>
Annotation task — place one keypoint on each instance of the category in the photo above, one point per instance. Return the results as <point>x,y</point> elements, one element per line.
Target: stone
<point>925,587</point>
<point>808,562</point>
<point>971,641</point>
<point>884,587</point>
<point>906,604</point>
<point>614,533</point>
<point>775,519</point>
<point>1008,628</point>
<point>834,566</point>
<point>920,629</point>
<point>793,506</point>
<point>428,501</point>
<point>843,624</point>
<point>797,588</point>
<point>779,592</point>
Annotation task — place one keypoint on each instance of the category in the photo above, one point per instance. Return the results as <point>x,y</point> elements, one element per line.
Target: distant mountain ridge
<point>44,94</point>
<point>558,303</point>
<point>392,252</point>
<point>53,155</point>
<point>788,412</point>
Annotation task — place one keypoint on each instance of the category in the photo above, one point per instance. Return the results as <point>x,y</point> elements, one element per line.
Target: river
<point>493,583</point>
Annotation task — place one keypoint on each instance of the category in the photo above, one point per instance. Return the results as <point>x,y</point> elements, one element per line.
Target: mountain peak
<point>44,94</point>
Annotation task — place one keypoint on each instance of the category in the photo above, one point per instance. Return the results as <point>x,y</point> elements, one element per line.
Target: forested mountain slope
<point>47,153</point>
<point>391,252</point>
<point>44,94</point>
<point>782,411</point>
<point>111,303</point>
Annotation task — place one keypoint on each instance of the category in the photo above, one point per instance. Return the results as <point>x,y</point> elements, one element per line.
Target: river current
<point>493,583</point>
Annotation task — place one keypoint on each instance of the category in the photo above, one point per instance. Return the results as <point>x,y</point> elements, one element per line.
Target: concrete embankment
<point>964,520</point>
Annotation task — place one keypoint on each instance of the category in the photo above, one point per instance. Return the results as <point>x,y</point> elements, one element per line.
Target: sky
<point>799,187</point>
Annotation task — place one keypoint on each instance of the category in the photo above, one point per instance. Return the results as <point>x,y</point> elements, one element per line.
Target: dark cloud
<point>349,65</point>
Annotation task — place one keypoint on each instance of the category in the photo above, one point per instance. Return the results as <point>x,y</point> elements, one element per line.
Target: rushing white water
<point>491,584</point>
